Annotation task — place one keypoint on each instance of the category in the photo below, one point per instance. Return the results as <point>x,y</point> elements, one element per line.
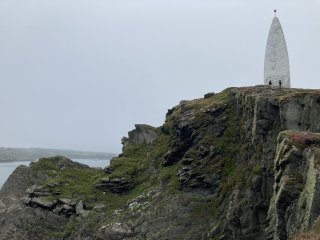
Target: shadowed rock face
<point>276,63</point>
<point>238,165</point>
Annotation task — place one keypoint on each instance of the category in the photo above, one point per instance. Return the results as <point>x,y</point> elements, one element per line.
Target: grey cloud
<point>79,74</point>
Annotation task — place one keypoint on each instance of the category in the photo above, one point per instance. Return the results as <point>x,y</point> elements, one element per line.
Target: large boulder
<point>42,202</point>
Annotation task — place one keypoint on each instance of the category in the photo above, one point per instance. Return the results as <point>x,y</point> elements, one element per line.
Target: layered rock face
<point>241,164</point>
<point>296,194</point>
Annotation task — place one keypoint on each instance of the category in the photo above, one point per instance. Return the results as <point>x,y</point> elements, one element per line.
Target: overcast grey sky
<point>79,74</point>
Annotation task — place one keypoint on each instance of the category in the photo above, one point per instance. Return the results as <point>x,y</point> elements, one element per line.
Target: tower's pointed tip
<point>275,12</point>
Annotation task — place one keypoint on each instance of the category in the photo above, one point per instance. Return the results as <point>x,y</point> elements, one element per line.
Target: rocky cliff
<point>241,164</point>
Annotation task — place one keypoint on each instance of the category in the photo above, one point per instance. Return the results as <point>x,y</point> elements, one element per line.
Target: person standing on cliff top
<point>270,83</point>
<point>280,83</point>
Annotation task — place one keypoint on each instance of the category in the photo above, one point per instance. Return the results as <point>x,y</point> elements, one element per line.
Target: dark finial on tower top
<point>275,12</point>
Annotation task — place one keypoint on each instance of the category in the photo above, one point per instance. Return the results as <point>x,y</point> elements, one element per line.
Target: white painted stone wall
<point>276,63</point>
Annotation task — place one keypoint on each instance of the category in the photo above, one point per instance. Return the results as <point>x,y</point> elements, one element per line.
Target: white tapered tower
<point>276,62</point>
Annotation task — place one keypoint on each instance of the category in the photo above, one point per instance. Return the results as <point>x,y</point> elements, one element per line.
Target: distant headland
<point>31,154</point>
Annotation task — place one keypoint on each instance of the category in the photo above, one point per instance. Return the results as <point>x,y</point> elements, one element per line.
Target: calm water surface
<point>7,168</point>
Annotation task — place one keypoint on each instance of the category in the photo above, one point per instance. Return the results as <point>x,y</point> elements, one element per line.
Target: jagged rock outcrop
<point>115,185</point>
<point>142,133</point>
<point>237,165</point>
